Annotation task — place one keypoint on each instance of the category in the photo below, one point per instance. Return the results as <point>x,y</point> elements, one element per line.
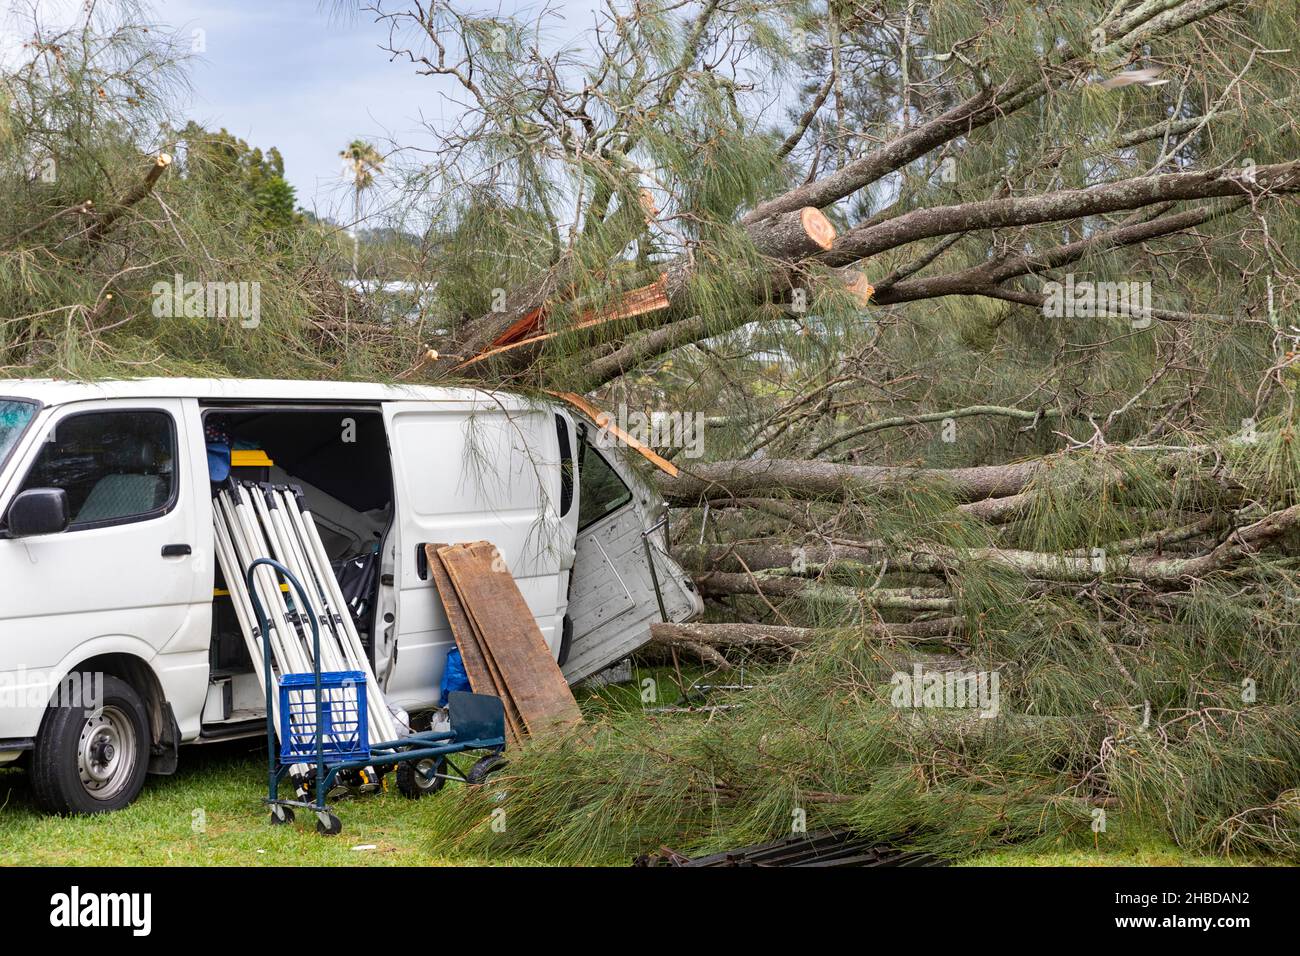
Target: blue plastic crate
<point>345,735</point>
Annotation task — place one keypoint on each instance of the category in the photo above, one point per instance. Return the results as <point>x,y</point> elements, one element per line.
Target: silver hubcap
<point>106,753</point>
<point>424,774</point>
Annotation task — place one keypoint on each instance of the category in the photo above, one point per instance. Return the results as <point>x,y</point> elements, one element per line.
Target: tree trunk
<point>824,479</point>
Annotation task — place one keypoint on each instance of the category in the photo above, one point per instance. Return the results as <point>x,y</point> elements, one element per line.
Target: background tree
<point>108,192</point>
<point>220,161</point>
<point>363,162</point>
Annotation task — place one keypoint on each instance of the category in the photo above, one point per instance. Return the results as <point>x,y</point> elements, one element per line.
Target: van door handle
<point>176,550</point>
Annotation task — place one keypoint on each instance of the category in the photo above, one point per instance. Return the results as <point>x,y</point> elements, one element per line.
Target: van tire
<point>92,764</point>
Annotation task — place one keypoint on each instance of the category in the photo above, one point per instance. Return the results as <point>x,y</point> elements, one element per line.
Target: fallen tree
<point>996,339</point>
<point>764,641</point>
<point>991,338</point>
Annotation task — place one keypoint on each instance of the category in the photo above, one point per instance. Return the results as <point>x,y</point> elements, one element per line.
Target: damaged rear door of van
<point>621,530</point>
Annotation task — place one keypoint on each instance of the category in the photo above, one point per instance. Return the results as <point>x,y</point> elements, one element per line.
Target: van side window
<point>601,489</point>
<point>115,466</point>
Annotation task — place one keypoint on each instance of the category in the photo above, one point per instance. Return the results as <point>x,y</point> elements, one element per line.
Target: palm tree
<point>364,162</point>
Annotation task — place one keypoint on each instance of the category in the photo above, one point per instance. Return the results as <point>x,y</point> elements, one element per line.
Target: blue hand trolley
<point>323,725</point>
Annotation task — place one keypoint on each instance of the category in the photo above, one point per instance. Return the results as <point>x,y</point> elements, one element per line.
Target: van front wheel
<point>90,760</point>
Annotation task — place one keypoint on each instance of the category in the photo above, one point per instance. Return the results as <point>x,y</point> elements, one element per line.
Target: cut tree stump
<point>795,235</point>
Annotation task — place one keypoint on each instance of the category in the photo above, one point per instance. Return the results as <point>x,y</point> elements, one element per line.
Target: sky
<point>301,76</point>
<point>295,75</point>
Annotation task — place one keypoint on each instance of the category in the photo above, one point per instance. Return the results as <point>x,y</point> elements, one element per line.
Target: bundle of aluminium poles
<point>255,520</point>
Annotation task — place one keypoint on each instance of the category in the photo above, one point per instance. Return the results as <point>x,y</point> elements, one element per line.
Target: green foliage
<point>1118,694</point>
<point>821,735</point>
<point>220,164</point>
<point>1266,458</point>
<point>80,135</point>
<point>486,245</point>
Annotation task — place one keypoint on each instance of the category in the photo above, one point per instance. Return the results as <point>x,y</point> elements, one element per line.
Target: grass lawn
<point>1152,852</point>
<point>210,814</point>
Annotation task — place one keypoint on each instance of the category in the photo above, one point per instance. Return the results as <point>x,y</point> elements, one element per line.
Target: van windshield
<point>14,416</point>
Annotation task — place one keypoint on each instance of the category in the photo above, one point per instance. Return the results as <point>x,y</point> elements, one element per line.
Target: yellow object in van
<point>249,458</point>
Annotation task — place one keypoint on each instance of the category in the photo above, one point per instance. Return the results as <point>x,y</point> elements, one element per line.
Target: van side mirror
<point>38,511</point>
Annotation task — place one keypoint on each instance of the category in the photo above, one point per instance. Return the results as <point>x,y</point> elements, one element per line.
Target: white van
<point>110,593</point>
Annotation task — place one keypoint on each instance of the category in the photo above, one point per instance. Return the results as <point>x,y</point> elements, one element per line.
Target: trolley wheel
<point>281,816</point>
<point>490,764</point>
<point>327,824</point>
<point>412,780</point>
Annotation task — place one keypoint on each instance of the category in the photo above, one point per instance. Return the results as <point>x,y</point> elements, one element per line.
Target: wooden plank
<point>480,680</point>
<point>479,669</point>
<point>487,553</point>
<point>515,727</point>
<point>510,636</point>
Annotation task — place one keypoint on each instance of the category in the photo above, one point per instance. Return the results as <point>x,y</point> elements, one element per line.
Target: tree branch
<point>1064,204</point>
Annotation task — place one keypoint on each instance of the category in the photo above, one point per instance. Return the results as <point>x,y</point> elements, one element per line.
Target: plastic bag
<point>453,676</point>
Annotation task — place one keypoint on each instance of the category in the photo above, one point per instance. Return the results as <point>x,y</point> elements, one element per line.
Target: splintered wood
<point>529,329</point>
<point>503,649</point>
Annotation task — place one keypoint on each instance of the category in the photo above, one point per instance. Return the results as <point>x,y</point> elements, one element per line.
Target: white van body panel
<point>467,465</point>
<point>58,392</point>
<point>66,598</point>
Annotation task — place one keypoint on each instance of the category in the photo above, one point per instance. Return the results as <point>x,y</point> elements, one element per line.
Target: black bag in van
<point>358,577</point>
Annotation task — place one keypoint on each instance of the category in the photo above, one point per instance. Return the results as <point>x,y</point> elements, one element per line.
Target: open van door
<point>612,600</point>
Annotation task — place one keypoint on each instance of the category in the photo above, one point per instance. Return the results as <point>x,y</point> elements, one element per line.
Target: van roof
<point>59,391</point>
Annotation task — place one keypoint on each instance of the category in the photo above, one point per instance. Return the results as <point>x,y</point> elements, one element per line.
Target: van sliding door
<point>485,470</point>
